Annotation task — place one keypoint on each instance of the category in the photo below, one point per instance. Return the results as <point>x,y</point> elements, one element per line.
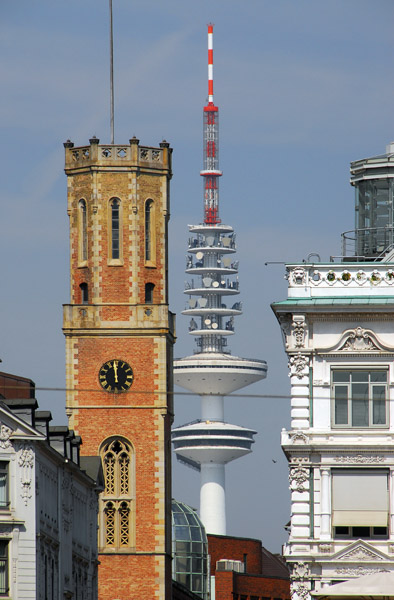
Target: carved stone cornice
<point>364,459</point>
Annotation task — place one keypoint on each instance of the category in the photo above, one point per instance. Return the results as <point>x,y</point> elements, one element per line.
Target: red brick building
<point>244,570</point>
<point>119,336</point>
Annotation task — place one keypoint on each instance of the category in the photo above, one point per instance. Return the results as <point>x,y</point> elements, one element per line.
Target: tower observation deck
<point>212,372</point>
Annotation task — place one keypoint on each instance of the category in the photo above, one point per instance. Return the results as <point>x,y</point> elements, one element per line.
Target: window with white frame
<point>4,499</point>
<point>360,503</point>
<point>359,398</point>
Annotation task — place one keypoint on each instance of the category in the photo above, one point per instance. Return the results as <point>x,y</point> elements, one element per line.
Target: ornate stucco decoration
<point>361,553</point>
<point>299,329</point>
<point>26,463</point>
<point>299,590</point>
<point>358,340</point>
<point>360,459</point>
<point>5,434</point>
<point>297,276</point>
<point>298,437</point>
<point>358,571</point>
<point>297,365</point>
<point>285,326</point>
<point>298,477</point>
<point>300,571</point>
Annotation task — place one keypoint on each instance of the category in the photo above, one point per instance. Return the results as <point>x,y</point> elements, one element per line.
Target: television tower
<point>209,443</point>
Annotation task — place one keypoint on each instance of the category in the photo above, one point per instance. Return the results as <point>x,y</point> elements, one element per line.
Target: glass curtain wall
<point>374,216</point>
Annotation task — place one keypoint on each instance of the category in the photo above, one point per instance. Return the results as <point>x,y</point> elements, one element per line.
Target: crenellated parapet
<point>127,156</point>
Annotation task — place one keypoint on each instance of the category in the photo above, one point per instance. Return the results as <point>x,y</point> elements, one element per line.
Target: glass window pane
<point>379,405</point>
<point>183,547</point>
<point>341,376</point>
<point>182,564</point>
<point>378,376</point>
<point>184,579</point>
<point>195,534</point>
<point>360,376</point>
<point>360,405</point>
<point>179,518</point>
<point>197,583</point>
<point>182,533</point>
<point>341,404</point>
<point>192,519</point>
<point>197,565</point>
<point>197,547</point>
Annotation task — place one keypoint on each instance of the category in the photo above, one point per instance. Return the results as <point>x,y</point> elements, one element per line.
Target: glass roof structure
<point>189,549</point>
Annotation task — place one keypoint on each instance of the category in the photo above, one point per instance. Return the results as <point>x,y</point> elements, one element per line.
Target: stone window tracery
<point>117,500</point>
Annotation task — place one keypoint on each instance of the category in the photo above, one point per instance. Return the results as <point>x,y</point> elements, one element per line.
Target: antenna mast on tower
<point>111,49</point>
<point>211,171</point>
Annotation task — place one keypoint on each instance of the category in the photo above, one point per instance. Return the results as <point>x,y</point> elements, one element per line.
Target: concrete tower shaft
<point>209,443</point>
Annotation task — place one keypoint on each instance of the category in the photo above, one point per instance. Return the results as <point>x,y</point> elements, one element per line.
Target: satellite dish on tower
<point>199,255</point>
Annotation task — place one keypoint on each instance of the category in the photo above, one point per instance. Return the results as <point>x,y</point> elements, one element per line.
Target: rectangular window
<point>361,532</point>
<point>3,567</point>
<point>4,501</point>
<point>359,398</point>
<point>360,502</point>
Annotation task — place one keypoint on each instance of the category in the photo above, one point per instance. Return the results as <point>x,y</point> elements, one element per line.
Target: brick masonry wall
<point>110,327</point>
<point>226,547</point>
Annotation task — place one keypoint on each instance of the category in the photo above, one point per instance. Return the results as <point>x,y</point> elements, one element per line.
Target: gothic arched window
<point>117,500</point>
<point>82,231</point>
<point>150,238</point>
<point>84,293</point>
<point>149,287</point>
<point>115,241</point>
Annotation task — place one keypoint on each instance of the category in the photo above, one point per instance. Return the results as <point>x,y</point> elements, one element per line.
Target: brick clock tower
<point>119,337</point>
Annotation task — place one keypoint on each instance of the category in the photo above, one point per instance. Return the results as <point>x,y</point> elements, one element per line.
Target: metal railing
<point>367,242</point>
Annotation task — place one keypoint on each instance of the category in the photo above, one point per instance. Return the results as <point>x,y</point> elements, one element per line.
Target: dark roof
<point>274,565</point>
<point>93,468</point>
<point>180,592</point>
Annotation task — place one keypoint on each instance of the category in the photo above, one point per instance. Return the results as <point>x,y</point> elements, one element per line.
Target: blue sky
<point>303,86</point>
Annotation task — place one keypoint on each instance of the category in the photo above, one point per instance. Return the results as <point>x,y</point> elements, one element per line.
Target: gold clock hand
<point>116,371</point>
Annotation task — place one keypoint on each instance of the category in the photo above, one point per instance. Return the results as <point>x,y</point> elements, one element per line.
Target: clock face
<point>116,376</point>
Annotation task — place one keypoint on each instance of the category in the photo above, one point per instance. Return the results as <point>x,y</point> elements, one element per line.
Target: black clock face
<point>116,376</point>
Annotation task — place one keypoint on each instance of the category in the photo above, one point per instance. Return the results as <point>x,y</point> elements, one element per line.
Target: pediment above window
<point>358,340</point>
<point>360,551</point>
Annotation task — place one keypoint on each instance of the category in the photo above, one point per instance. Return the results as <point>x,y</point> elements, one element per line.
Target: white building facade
<point>338,330</point>
<point>48,510</point>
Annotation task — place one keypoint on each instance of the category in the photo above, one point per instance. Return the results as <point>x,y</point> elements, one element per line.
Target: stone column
<point>325,504</point>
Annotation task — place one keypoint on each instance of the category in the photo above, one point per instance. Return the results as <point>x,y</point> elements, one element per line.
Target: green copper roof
<point>330,301</point>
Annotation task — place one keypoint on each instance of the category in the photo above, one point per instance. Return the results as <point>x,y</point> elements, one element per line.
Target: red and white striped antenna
<point>211,171</point>
<point>210,63</point>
